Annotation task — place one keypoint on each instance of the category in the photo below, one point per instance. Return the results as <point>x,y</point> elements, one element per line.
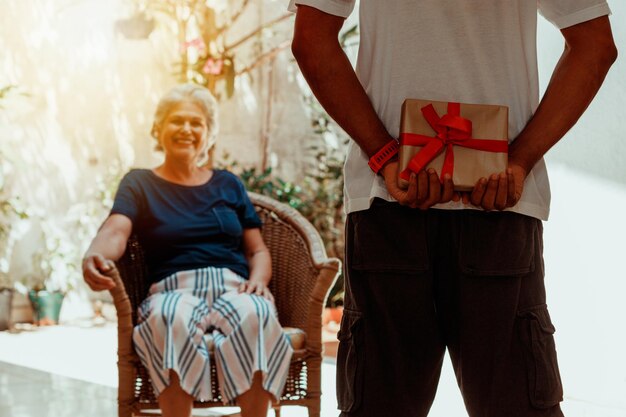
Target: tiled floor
<point>70,371</point>
<point>25,392</point>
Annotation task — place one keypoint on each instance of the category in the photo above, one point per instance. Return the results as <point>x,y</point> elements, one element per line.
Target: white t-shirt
<point>478,51</point>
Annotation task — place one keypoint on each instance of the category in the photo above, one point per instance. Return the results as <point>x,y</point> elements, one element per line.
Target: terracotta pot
<point>332,314</point>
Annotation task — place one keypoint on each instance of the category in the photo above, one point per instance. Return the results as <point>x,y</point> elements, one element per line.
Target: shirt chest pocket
<point>228,221</point>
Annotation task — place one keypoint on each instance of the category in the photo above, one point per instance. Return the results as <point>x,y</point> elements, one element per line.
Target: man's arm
<point>333,81</point>
<point>589,53</point>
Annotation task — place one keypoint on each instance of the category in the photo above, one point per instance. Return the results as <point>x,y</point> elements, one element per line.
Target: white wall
<point>584,239</point>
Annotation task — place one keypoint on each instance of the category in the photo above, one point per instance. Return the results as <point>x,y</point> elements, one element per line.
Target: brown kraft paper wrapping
<point>488,122</point>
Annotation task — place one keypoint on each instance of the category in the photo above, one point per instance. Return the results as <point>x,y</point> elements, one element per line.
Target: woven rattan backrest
<point>293,272</point>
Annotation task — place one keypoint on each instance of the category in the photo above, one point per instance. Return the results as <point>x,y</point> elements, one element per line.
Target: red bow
<point>451,129</point>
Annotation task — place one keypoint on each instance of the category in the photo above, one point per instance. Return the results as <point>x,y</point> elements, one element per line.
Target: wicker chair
<point>302,277</point>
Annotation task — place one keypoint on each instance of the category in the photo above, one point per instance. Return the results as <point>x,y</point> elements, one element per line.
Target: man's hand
<point>500,191</point>
<point>425,190</point>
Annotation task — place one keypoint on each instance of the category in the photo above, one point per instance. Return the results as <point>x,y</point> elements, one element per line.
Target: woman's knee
<point>251,312</point>
<point>258,313</point>
<point>175,314</point>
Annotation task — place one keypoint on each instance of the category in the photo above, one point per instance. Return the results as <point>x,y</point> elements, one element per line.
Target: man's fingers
<point>501,194</point>
<point>511,198</point>
<point>390,174</point>
<point>422,187</point>
<point>434,186</point>
<point>448,190</point>
<point>476,197</point>
<point>411,194</point>
<point>434,190</point>
<point>489,198</point>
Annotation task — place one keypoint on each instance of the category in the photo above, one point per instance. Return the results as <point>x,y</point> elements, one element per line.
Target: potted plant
<point>55,272</point>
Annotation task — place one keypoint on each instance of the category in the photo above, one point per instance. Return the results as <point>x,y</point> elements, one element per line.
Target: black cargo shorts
<point>420,282</point>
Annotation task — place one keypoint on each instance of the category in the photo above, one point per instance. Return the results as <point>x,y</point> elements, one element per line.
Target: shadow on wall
<point>596,144</point>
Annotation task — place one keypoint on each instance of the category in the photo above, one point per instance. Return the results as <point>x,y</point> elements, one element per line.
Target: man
<point>428,269</point>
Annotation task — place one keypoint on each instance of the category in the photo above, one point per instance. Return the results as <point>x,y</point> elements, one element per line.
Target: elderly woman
<point>208,266</point>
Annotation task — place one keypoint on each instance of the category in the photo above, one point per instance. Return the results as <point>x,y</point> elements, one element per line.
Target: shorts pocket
<point>544,380</point>
<point>350,361</point>
<point>388,238</point>
<point>228,220</point>
<point>499,244</point>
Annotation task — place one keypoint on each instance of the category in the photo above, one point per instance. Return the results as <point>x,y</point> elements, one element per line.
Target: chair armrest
<point>328,273</point>
<point>298,222</point>
<point>321,271</point>
<point>126,356</point>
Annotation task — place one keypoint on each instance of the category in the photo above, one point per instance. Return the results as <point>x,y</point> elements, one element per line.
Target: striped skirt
<point>183,307</point>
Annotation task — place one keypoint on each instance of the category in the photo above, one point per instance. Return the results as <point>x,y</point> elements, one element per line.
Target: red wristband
<point>387,152</point>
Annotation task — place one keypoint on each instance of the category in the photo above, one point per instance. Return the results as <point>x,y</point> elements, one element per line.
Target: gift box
<point>468,141</point>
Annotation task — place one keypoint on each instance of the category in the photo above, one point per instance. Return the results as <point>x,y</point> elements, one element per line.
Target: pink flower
<point>213,66</point>
<point>197,43</point>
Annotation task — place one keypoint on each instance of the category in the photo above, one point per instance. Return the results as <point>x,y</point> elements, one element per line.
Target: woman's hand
<point>258,288</point>
<point>94,265</point>
<point>260,263</point>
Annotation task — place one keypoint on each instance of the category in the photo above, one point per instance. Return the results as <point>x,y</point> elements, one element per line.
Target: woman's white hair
<point>196,94</point>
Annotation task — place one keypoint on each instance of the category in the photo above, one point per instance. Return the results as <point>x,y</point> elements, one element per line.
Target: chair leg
<point>124,411</point>
<point>276,410</point>
<point>314,410</point>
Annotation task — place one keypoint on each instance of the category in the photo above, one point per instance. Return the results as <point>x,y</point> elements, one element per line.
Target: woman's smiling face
<point>183,133</point>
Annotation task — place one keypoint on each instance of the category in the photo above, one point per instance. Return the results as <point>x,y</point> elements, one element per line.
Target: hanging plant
<point>139,26</point>
<point>208,56</point>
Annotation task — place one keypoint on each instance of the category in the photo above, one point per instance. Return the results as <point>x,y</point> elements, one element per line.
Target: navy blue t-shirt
<point>187,227</point>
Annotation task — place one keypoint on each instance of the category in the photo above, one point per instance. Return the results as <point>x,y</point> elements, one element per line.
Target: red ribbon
<point>451,129</point>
